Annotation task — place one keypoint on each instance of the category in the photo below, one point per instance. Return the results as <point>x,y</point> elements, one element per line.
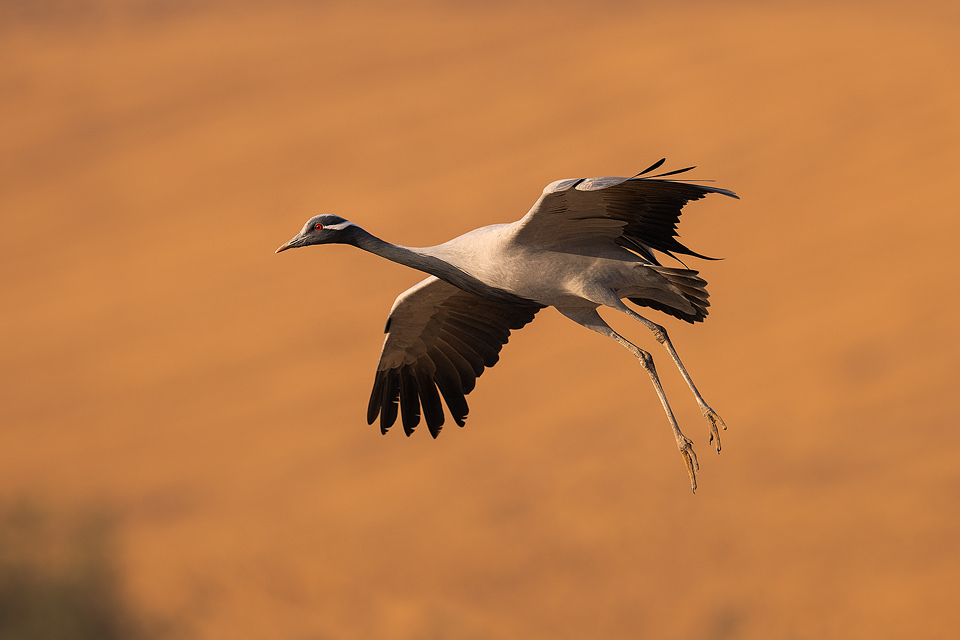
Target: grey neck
<point>421,259</point>
<point>409,257</point>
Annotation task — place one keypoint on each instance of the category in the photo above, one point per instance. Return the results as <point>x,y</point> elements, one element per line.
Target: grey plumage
<point>585,243</point>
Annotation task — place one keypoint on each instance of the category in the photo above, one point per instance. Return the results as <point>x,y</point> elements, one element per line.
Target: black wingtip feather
<point>409,403</point>
<point>430,403</point>
<point>390,400</point>
<point>674,172</point>
<point>655,165</point>
<point>376,398</point>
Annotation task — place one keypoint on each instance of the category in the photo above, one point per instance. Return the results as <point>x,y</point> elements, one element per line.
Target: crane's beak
<point>292,243</point>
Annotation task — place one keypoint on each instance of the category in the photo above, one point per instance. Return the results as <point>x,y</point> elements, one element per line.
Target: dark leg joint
<point>646,361</point>
<point>659,333</point>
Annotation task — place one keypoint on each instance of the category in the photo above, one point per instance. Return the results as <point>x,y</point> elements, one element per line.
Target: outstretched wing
<point>439,337</point>
<point>639,213</point>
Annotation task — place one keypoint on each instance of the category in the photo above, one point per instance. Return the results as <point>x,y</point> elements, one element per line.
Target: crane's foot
<point>716,423</point>
<point>690,458</point>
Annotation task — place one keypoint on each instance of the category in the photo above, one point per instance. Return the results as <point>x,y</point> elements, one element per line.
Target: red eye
<point>318,227</point>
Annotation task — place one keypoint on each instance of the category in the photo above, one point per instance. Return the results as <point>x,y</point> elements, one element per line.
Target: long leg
<point>716,422</point>
<point>590,319</point>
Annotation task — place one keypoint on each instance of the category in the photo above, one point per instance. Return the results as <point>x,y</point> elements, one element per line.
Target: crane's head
<point>322,229</point>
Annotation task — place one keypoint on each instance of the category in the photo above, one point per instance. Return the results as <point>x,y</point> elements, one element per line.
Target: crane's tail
<point>688,284</point>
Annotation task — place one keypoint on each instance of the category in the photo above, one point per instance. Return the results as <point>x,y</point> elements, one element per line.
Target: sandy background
<point>159,361</point>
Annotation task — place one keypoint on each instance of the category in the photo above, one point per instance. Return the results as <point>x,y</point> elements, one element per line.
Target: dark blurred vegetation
<point>58,579</point>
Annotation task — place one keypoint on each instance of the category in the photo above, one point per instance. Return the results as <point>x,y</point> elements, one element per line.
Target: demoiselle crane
<point>584,244</point>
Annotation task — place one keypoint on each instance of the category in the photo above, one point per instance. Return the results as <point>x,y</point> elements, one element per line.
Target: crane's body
<point>492,256</point>
<point>492,263</point>
<point>584,244</point>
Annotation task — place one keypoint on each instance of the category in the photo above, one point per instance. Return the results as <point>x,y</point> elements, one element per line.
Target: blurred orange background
<point>159,361</point>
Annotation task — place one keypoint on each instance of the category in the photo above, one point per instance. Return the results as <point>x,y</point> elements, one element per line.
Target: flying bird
<point>585,244</point>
